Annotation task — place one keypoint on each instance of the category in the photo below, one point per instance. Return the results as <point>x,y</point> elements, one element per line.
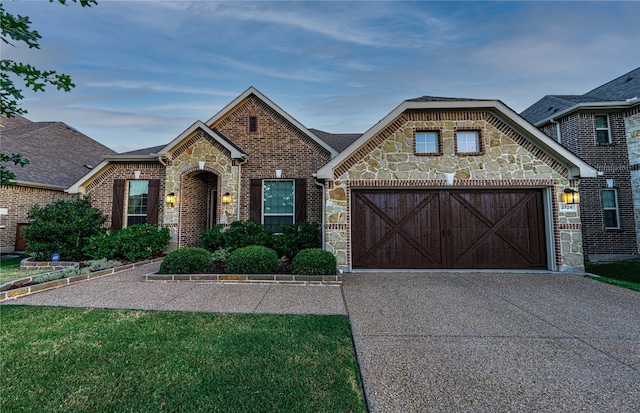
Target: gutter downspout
<point>324,195</point>
<point>558,134</point>
<point>239,183</point>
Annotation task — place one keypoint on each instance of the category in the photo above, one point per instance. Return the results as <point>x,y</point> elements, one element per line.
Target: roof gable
<point>575,165</point>
<point>253,91</point>
<point>235,151</point>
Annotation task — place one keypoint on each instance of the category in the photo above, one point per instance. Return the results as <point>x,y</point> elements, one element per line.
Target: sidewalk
<point>126,290</point>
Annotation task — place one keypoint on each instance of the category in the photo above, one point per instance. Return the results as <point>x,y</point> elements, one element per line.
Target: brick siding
<point>19,200</point>
<point>579,136</point>
<point>100,191</point>
<point>275,145</point>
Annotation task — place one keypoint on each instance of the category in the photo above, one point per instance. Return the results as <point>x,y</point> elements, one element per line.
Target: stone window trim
<point>438,133</point>
<point>481,145</point>
<point>602,133</point>
<point>611,210</point>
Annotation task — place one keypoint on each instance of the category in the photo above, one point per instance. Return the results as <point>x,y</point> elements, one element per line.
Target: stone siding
<point>191,185</point>
<point>632,127</point>
<point>508,160</point>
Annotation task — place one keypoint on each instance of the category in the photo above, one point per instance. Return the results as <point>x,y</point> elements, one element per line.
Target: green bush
<point>237,235</point>
<point>142,241</point>
<point>212,239</point>
<point>314,261</point>
<point>241,234</point>
<point>134,242</point>
<point>296,237</point>
<point>62,227</point>
<point>190,260</point>
<point>254,259</point>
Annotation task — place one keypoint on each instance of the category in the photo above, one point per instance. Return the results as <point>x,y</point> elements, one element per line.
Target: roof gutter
<point>622,104</point>
<point>39,185</point>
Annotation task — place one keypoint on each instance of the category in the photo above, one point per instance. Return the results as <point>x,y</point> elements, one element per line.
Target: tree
<point>18,29</point>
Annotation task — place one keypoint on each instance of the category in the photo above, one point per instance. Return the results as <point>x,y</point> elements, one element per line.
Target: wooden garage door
<point>448,229</point>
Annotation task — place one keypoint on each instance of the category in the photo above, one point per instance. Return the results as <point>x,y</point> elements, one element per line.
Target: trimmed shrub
<point>190,260</point>
<point>241,234</point>
<point>212,239</point>
<point>62,227</point>
<point>314,261</point>
<point>134,242</point>
<point>296,237</point>
<point>254,259</point>
<point>142,241</point>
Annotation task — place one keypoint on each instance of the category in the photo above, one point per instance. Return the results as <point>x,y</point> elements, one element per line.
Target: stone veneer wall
<point>632,127</point>
<point>180,170</point>
<point>18,200</point>
<point>388,160</point>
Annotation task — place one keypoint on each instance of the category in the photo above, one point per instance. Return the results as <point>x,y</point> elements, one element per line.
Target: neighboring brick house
<point>58,154</point>
<point>437,183</point>
<point>603,128</point>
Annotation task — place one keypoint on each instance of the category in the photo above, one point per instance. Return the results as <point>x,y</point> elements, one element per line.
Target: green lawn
<point>94,360</point>
<point>623,274</point>
<point>10,270</point>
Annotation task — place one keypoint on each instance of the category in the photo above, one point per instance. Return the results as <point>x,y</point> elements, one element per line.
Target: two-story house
<point>602,127</point>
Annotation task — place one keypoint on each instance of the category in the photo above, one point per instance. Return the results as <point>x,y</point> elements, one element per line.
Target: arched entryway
<point>199,205</point>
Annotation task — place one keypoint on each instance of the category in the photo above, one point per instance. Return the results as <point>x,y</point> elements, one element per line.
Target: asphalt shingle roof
<point>625,87</point>
<point>58,154</point>
<point>338,141</point>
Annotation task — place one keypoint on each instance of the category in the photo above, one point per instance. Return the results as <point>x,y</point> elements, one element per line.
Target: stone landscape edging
<point>335,279</point>
<point>27,290</point>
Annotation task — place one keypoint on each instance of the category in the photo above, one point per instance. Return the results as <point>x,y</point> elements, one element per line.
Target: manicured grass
<point>10,270</point>
<point>622,274</point>
<point>94,360</point>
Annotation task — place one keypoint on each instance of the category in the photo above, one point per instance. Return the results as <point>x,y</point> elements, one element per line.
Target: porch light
<point>226,198</point>
<point>170,199</point>
<point>571,196</point>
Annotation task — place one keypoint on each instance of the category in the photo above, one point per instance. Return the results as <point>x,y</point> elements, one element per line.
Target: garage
<point>452,228</point>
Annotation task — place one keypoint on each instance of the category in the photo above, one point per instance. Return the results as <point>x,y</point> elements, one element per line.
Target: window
<point>603,133</point>
<point>427,142</point>
<point>610,205</point>
<point>137,202</point>
<point>253,124</point>
<point>468,141</point>
<point>278,204</point>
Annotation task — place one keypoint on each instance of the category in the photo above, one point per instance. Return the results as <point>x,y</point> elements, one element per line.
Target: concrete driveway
<point>495,342</point>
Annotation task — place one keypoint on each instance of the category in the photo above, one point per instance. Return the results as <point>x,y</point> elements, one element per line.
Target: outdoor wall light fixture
<point>278,173</point>
<point>136,174</point>
<point>570,196</point>
<point>170,199</point>
<point>226,198</point>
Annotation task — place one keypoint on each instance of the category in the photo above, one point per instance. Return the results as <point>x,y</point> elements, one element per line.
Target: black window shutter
<point>117,207</point>
<point>301,200</point>
<point>153,201</point>
<point>255,200</point>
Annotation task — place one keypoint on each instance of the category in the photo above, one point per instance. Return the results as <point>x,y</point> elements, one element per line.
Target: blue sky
<point>146,70</point>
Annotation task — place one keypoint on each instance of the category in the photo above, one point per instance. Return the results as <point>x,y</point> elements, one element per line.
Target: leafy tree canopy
<point>18,29</point>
